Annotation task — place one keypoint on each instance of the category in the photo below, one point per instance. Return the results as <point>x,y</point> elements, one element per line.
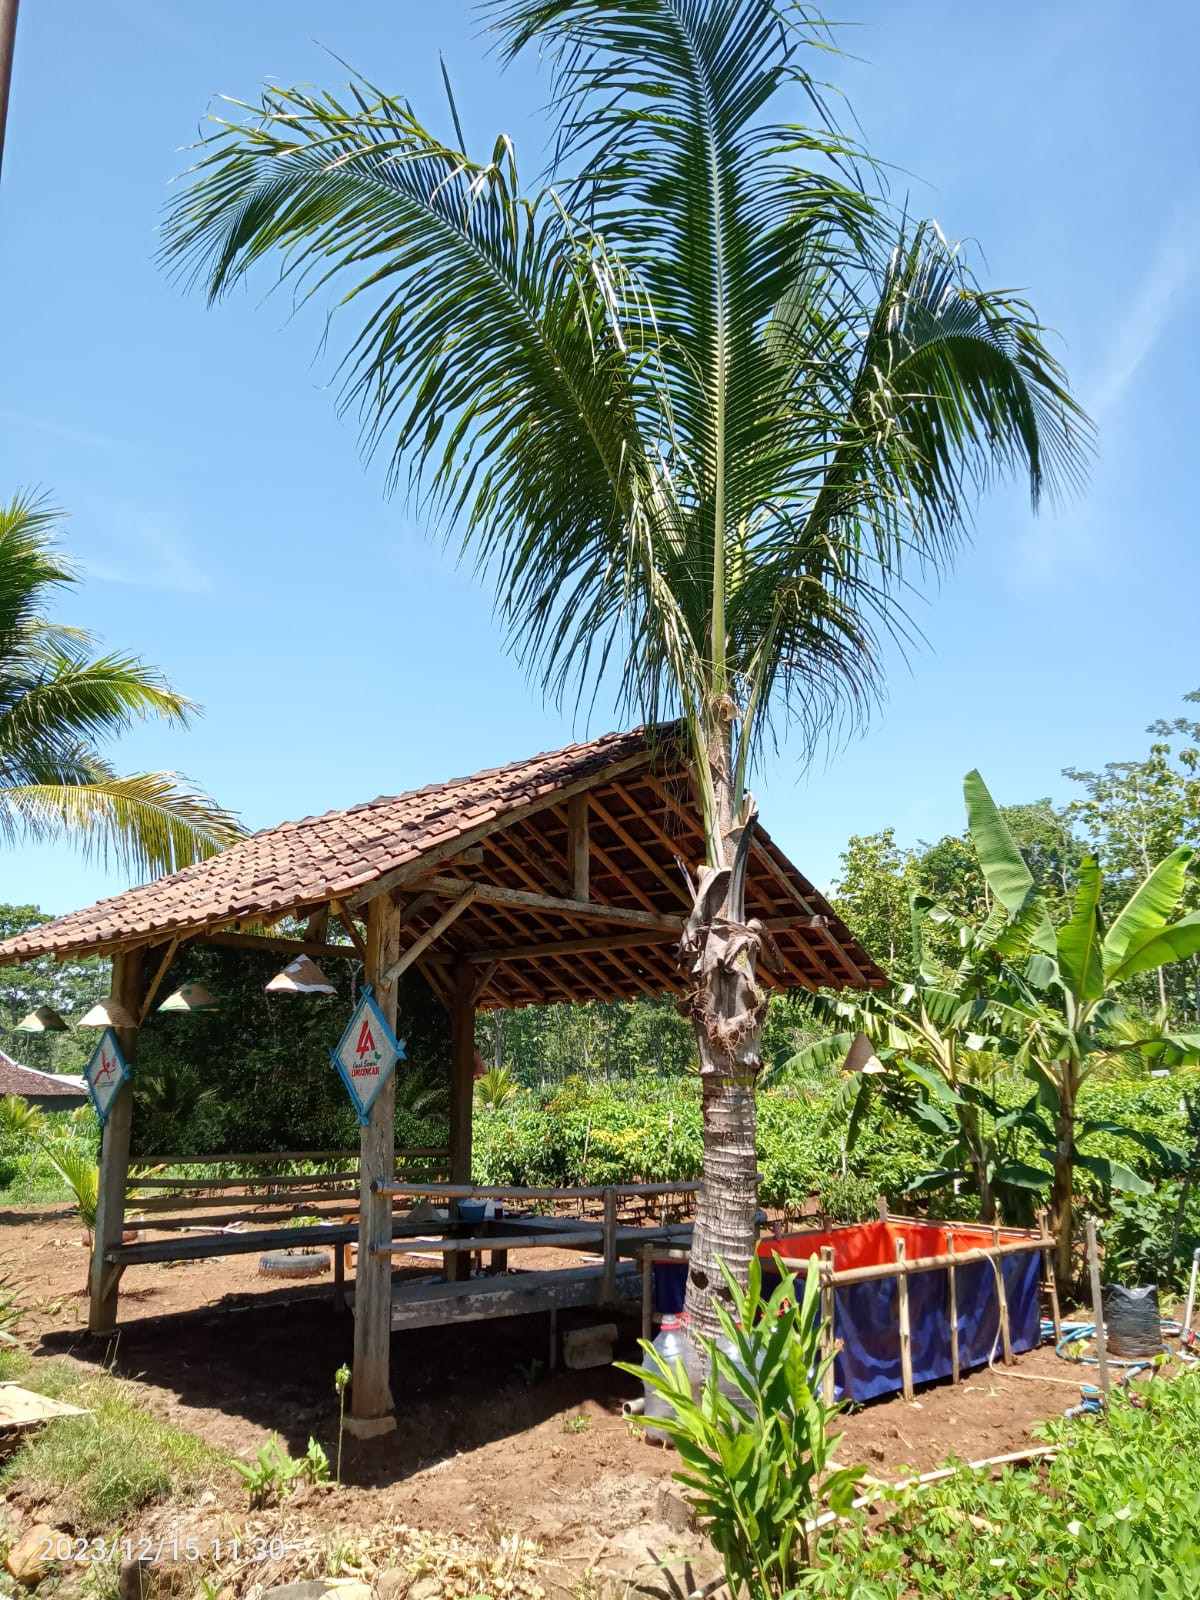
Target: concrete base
<point>590,1347</point>
<point>370,1427</point>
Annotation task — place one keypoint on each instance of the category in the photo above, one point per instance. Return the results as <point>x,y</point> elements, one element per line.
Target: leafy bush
<point>1113,1518</point>
<point>1138,1235</point>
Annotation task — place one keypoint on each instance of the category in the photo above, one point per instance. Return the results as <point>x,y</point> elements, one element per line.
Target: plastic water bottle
<point>671,1345</point>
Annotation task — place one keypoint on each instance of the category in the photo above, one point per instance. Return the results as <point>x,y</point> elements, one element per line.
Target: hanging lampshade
<point>108,1013</point>
<point>44,1020</point>
<point>301,976</point>
<point>190,997</point>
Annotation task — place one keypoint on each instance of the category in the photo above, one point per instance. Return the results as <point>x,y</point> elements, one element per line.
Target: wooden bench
<point>255,1207</point>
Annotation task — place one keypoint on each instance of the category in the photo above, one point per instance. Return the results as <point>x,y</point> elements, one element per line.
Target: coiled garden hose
<point>1075,1332</point>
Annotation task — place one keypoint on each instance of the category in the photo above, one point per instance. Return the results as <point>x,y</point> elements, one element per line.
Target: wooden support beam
<point>371,1396</point>
<point>454,847</point>
<point>577,846</point>
<point>565,947</point>
<point>351,927</point>
<point>498,894</point>
<point>828,1382</point>
<point>421,944</point>
<point>952,1276</point>
<point>128,970</point>
<point>152,988</point>
<point>279,947</point>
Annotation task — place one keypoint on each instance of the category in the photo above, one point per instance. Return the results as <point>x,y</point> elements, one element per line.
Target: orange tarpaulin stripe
<point>871,1244</point>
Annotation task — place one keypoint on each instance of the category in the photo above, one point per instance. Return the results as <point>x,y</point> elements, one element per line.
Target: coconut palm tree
<point>58,698</point>
<point>697,401</point>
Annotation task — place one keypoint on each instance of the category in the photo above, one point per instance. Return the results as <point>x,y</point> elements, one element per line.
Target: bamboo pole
<point>909,1269</point>
<point>1002,1302</point>
<point>827,1317</point>
<point>1185,1336</point>
<point>1051,1279</point>
<point>1098,1311</point>
<point>906,1372</point>
<point>882,1207</point>
<point>952,1274</point>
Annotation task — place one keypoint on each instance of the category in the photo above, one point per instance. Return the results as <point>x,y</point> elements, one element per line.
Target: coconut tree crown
<point>59,699</point>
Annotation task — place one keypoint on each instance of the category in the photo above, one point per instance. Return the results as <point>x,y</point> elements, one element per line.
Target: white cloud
<point>1170,274</point>
<point>135,546</point>
<point>61,430</point>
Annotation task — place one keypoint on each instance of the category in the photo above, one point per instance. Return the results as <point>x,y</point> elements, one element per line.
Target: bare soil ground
<point>485,1438</point>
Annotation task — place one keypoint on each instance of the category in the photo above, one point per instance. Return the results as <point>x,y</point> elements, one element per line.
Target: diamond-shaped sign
<point>367,1053</point>
<point>105,1073</point>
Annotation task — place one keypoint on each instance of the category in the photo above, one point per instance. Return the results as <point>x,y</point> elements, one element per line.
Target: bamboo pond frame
<point>830,1279</point>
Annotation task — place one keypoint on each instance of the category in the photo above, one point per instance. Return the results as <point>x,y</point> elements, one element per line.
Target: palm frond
<point>150,822</point>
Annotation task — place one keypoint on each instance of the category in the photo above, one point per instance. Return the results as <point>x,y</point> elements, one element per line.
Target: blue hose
<point>1075,1332</point>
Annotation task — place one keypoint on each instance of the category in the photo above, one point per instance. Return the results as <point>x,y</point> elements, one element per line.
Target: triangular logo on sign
<point>105,1072</point>
<point>366,1054</point>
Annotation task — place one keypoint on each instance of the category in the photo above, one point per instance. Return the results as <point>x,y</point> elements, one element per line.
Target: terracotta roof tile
<point>332,854</point>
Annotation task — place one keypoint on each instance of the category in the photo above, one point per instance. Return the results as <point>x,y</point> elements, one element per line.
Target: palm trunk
<point>1063,1188</point>
<point>720,952</point>
<point>968,1121</point>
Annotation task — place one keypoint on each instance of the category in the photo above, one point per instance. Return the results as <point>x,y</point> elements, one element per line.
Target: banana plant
<point>1061,1007</point>
<point>924,1049</point>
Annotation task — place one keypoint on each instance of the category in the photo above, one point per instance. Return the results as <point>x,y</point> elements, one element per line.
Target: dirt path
<point>486,1435</point>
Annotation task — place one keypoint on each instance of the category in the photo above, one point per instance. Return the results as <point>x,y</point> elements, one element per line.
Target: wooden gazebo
<point>552,879</point>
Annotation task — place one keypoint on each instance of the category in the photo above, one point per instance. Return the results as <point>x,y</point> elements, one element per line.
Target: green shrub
<point>755,1447</point>
<point>1113,1518</point>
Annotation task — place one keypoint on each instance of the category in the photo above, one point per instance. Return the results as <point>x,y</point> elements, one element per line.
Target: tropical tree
<point>1062,1007</point>
<point>58,699</point>
<point>696,402</point>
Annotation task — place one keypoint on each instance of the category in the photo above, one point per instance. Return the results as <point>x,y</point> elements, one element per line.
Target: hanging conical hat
<point>108,1013</point>
<point>301,976</point>
<point>190,997</point>
<point>44,1020</point>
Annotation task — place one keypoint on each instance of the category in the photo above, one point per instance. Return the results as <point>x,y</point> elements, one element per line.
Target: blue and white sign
<point>105,1073</point>
<point>367,1053</point>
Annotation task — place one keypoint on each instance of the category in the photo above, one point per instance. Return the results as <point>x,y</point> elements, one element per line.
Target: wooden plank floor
<point>515,1294</point>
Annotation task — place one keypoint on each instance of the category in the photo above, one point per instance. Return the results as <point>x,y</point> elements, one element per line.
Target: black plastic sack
<point>1131,1321</point>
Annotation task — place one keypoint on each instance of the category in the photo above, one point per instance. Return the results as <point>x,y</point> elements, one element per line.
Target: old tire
<point>293,1263</point>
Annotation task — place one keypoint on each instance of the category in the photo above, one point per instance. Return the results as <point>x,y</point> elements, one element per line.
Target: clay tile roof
<point>30,1083</point>
<point>332,855</point>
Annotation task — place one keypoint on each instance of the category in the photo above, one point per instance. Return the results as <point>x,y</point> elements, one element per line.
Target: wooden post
<point>952,1275</point>
<point>827,1310</point>
<point>608,1276</point>
<point>881,1206</point>
<point>1002,1300</point>
<point>371,1395</point>
<point>906,1368</point>
<point>1051,1279</point>
<point>105,1278</point>
<point>1098,1311</point>
<point>578,846</point>
<point>648,1293</point>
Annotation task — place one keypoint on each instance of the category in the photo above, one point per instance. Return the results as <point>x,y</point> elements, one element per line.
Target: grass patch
<point>107,1465</point>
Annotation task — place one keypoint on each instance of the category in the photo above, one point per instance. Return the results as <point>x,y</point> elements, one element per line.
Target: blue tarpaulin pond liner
<point>866,1315</point>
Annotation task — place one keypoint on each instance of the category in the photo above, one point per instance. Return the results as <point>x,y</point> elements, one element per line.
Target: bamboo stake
<point>1051,1280</point>
<point>906,1372</point>
<point>1002,1302</point>
<point>882,1206</point>
<point>952,1273</point>
<point>1185,1337</point>
<point>827,1311</point>
<point>1098,1311</point>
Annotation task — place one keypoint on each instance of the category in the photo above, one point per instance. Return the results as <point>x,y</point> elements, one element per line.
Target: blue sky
<point>230,533</point>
